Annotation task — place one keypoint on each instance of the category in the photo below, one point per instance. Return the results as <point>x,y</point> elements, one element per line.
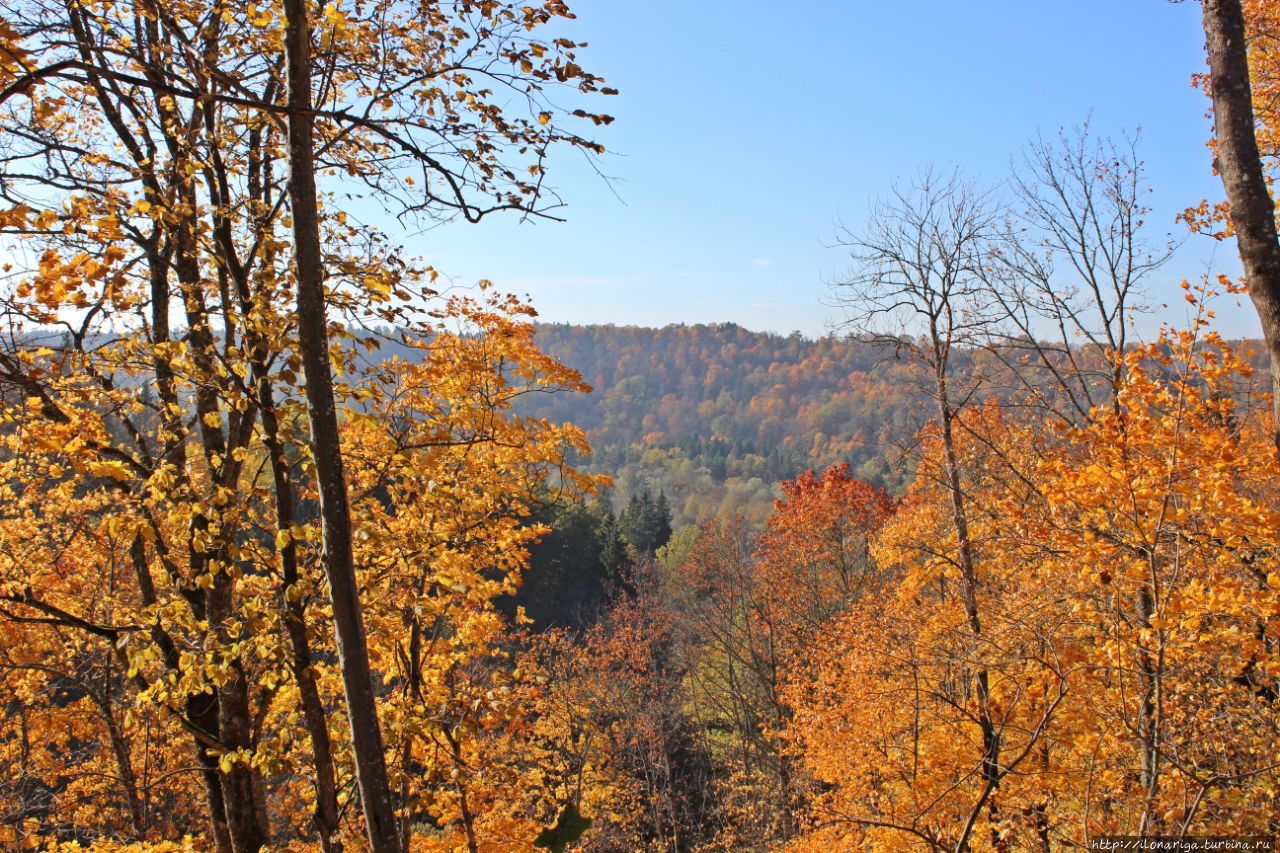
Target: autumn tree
<point>326,450</point>
<point>751,609</point>
<point>918,283</point>
<point>445,483</point>
<point>814,554</point>
<point>735,669</point>
<point>143,147</point>
<point>416,462</point>
<point>1162,503</point>
<point>613,729</point>
<point>888,719</point>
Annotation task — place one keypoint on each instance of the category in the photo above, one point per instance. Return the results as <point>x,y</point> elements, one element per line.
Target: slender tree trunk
<point>235,721</point>
<point>313,710</point>
<point>969,596</point>
<point>353,654</point>
<point>249,832</point>
<point>1148,718</point>
<point>464,805</point>
<point>326,816</point>
<point>101,696</point>
<point>203,712</point>
<point>1252,210</point>
<point>172,442</point>
<point>200,709</point>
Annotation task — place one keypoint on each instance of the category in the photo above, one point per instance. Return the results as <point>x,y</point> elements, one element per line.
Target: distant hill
<point>714,415</point>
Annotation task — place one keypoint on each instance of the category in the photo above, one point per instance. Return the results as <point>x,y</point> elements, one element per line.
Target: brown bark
<point>1240,165</point>
<point>1148,716</point>
<point>235,731</point>
<point>353,654</point>
<point>101,696</point>
<point>200,711</point>
<point>235,721</point>
<point>464,805</point>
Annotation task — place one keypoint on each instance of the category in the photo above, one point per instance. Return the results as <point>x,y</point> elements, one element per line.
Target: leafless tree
<point>1070,271</point>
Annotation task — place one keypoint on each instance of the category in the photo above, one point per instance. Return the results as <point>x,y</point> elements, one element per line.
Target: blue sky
<point>746,130</point>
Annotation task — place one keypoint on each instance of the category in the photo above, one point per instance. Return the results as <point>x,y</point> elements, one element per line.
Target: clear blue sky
<point>745,130</point>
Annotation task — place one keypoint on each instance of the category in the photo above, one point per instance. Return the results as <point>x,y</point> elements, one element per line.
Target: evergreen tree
<point>613,549</point>
<point>661,521</point>
<point>575,569</point>
<point>646,523</point>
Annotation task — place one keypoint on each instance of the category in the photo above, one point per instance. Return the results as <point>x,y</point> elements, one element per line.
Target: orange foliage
<point>813,556</point>
<point>1131,631</point>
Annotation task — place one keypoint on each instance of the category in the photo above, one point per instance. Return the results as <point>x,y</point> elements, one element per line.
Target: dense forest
<point>715,416</point>
<point>301,549</point>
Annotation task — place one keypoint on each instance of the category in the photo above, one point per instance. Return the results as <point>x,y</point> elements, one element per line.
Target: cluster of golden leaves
<point>1130,600</point>
<point>165,630</point>
<point>443,479</point>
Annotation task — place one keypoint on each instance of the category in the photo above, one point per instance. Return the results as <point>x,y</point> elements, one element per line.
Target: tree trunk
<point>203,711</point>
<point>248,833</point>
<point>101,696</point>
<point>353,655</point>
<point>969,596</point>
<point>1148,717</point>
<point>1252,210</point>
<point>326,815</point>
<point>200,710</point>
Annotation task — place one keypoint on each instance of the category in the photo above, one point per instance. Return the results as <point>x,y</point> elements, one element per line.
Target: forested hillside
<point>716,415</point>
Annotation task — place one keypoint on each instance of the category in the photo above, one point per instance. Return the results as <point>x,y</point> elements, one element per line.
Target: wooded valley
<point>305,547</point>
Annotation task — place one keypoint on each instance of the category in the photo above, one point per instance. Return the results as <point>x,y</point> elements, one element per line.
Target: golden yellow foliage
<point>1129,628</point>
